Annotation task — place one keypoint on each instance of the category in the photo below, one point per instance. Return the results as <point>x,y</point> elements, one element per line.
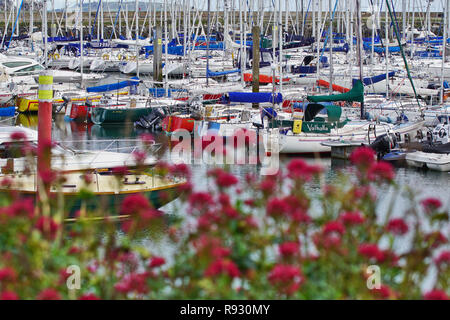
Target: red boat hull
<point>173,123</point>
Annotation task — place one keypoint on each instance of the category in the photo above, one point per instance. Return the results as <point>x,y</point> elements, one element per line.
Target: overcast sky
<point>421,5</point>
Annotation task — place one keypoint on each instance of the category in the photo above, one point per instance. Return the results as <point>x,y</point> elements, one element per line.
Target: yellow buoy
<point>297,128</point>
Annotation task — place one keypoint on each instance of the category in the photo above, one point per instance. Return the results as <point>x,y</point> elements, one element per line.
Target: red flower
<point>200,200</point>
<point>431,204</point>
<point>443,258</point>
<point>371,251</point>
<point>47,226</point>
<point>134,204</point>
<point>289,248</point>
<point>436,294</point>
<point>268,185</point>
<point>120,171</point>
<point>352,218</point>
<point>251,222</point>
<point>277,207</point>
<point>89,296</point>
<point>180,170</point>
<point>223,179</point>
<point>74,250</point>
<point>147,138</point>
<point>139,156</point>
<point>249,202</point>
<point>384,292</point>
<point>20,207</point>
<point>300,216</point>
<point>300,170</point>
<point>49,294</point>
<point>133,282</point>
<point>230,212</point>
<point>7,274</point>
<point>8,295</point>
<point>363,156</point>
<point>150,214</point>
<point>381,171</point>
<point>333,227</point>
<point>156,262</point>
<point>18,135</point>
<point>222,266</point>
<point>63,275</point>
<point>287,278</point>
<point>224,199</point>
<point>220,252</point>
<point>436,239</point>
<point>47,176</point>
<point>397,226</point>
<point>185,188</point>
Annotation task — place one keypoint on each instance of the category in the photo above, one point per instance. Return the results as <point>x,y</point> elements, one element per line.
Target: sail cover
<point>221,73</point>
<point>356,94</point>
<point>372,80</point>
<point>253,97</point>
<point>114,86</point>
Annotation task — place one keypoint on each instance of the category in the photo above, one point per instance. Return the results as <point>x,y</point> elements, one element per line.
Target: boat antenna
<point>359,50</point>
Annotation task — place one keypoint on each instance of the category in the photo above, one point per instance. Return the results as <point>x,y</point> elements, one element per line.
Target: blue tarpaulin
<point>253,97</point>
<point>221,73</point>
<point>381,50</point>
<point>113,86</point>
<point>375,79</point>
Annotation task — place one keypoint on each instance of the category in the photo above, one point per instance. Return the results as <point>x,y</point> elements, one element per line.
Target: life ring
<point>105,56</point>
<point>56,56</point>
<point>122,57</point>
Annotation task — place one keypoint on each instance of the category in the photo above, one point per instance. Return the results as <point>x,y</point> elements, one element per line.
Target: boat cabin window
<point>444,119</point>
<point>28,70</point>
<point>16,64</point>
<point>266,57</point>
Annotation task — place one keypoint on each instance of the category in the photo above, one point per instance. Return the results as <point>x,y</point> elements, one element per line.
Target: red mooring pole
<point>44,130</point>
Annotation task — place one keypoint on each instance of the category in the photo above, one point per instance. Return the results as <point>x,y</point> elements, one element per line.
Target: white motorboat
<point>434,156</point>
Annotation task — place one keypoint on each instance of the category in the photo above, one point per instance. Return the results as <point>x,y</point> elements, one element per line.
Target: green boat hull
<point>100,115</point>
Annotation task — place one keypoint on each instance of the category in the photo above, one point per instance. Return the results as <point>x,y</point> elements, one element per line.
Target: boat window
<point>16,64</point>
<point>266,56</point>
<point>29,69</point>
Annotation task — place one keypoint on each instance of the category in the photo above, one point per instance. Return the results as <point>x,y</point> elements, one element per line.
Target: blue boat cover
<point>380,50</point>
<point>375,79</point>
<point>210,73</point>
<point>253,97</point>
<point>7,111</point>
<point>269,112</point>
<point>113,86</point>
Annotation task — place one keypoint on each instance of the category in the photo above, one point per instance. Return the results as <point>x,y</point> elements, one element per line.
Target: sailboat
<point>106,182</point>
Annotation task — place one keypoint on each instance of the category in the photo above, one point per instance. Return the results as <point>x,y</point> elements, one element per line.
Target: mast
<point>137,37</point>
<point>44,31</point>
<point>166,50</point>
<point>80,25</point>
<point>207,44</point>
<point>404,19</point>
<point>444,49</point>
<point>280,46</point>
<point>319,37</point>
<point>412,27</point>
<point>330,31</point>
<point>243,62</point>
<point>359,47</point>
<point>89,15</point>
<point>31,17</point>
<point>386,55</point>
